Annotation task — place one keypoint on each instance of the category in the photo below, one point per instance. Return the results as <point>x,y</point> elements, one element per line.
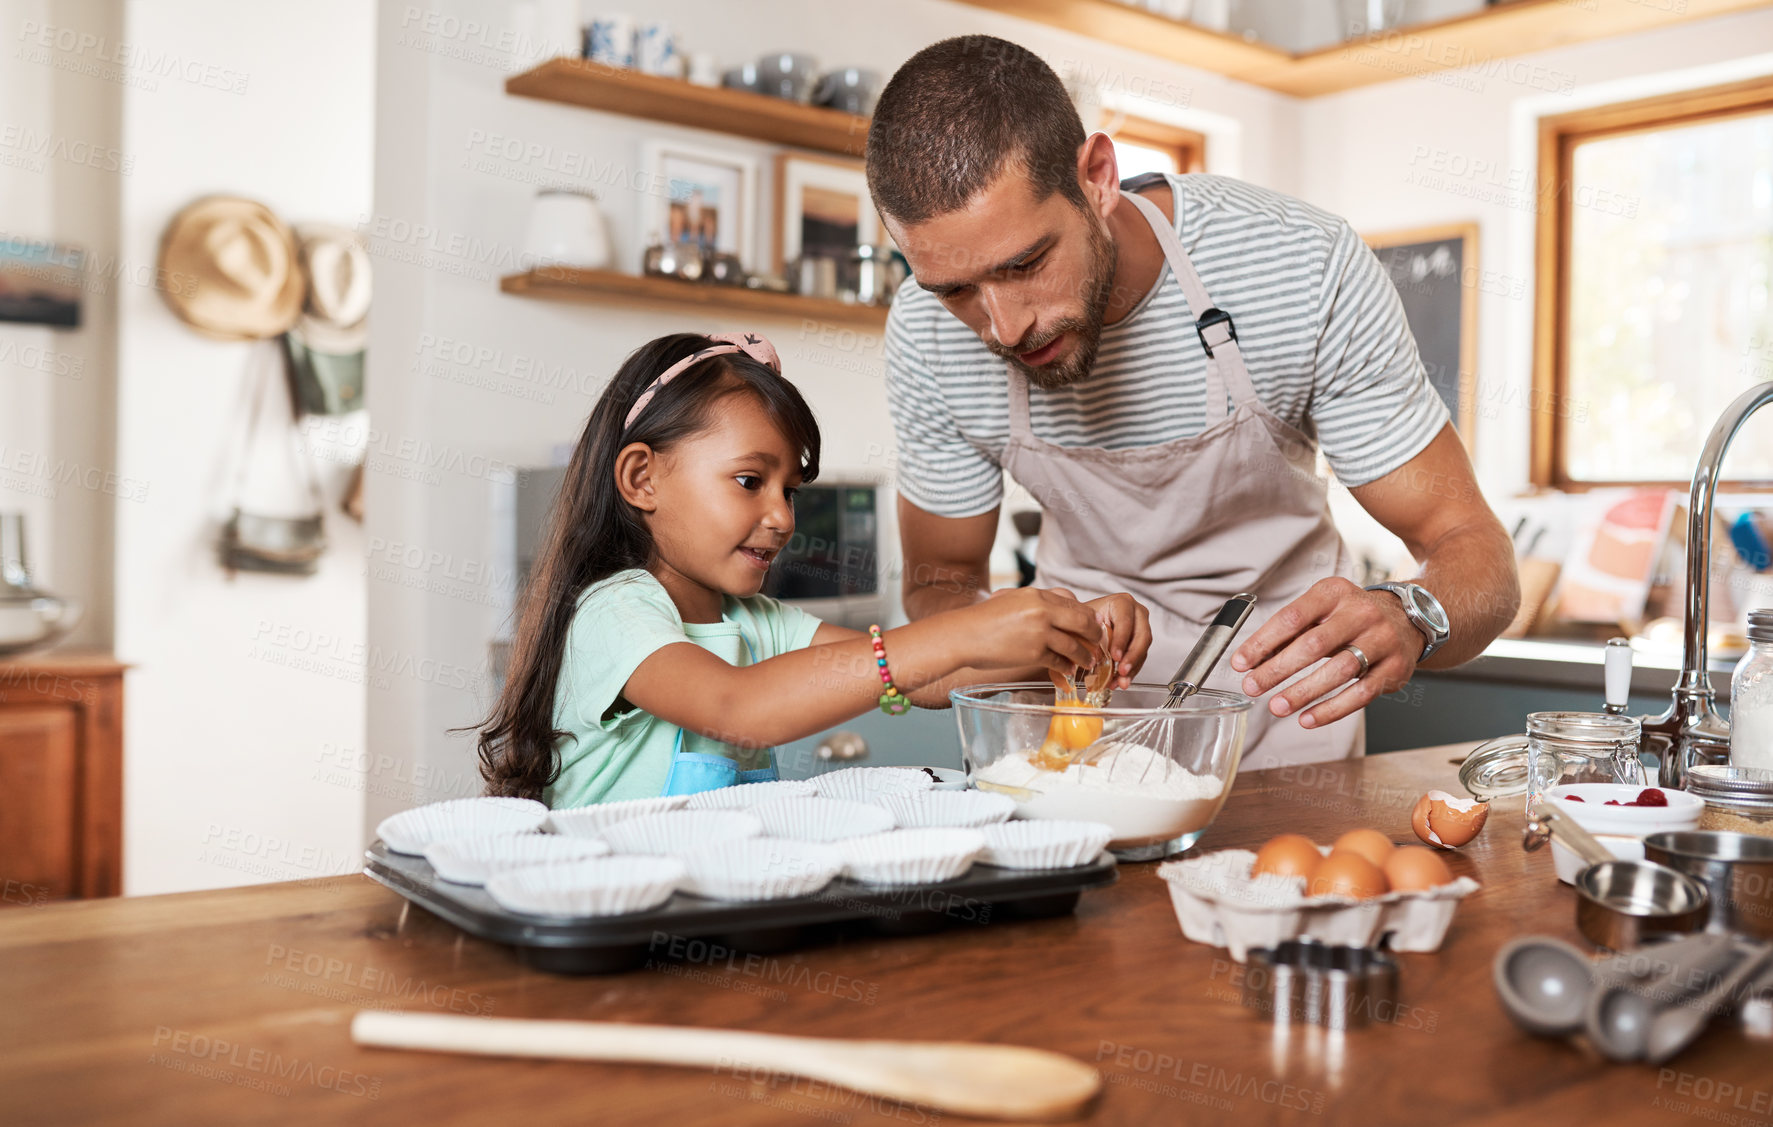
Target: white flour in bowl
<point>1169,803</point>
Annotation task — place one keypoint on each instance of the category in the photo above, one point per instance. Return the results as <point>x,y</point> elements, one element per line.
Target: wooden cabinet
<point>61,778</point>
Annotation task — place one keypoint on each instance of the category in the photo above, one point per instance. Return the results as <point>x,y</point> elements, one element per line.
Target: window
<point>1655,265</point>
<point>1151,146</point>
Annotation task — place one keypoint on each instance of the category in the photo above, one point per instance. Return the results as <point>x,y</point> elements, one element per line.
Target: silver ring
<point>1360,657</point>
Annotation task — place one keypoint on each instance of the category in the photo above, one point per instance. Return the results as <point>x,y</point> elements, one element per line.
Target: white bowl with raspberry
<point>1620,815</point>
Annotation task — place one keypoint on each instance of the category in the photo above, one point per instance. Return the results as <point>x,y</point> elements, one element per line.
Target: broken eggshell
<point>1447,821</point>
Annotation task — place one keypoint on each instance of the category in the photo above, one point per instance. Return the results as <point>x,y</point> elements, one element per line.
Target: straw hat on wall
<point>233,269</point>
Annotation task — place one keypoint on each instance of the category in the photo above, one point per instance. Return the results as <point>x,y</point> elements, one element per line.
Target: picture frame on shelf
<point>702,195</point>
<point>822,207</point>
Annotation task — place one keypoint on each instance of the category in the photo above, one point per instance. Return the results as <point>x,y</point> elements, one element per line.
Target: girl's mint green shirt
<point>613,750</point>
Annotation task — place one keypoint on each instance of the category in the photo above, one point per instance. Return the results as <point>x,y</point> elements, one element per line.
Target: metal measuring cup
<point>1620,904</point>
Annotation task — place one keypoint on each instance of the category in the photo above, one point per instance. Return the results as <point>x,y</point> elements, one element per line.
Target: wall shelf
<point>580,82</point>
<point>600,286</point>
<point>1478,40</point>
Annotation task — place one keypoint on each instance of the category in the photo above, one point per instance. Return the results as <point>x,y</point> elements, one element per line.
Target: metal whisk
<point>1154,731</point>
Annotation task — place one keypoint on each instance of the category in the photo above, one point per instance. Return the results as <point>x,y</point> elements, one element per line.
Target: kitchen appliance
<point>990,1081</point>
<point>830,567</point>
<point>29,617</point>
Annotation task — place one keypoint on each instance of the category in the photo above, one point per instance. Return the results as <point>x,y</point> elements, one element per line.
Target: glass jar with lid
<point>1558,748</point>
<point>1751,697</point>
<point>1737,799</point>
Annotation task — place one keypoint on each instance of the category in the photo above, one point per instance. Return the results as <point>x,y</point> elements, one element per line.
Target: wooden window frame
<point>1189,146</point>
<point>1559,136</point>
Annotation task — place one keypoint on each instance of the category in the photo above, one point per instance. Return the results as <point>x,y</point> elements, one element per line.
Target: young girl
<point>646,662</point>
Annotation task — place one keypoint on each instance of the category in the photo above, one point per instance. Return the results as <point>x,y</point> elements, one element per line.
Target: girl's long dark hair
<point>593,533</point>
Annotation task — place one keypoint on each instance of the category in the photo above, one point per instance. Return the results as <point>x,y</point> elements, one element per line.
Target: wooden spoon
<point>988,1081</point>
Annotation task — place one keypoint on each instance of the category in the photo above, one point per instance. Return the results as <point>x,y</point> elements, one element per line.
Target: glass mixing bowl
<point>1158,778</point>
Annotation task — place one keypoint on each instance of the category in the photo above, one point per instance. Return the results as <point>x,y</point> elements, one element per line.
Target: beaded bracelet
<point>892,702</point>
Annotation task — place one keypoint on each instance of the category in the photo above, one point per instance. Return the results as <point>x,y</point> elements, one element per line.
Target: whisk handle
<point>1212,646</point>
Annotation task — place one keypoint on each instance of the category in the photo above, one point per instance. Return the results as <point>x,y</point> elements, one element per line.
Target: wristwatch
<point>1424,612</point>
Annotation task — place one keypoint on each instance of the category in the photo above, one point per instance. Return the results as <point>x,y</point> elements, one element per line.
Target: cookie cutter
<point>1303,981</point>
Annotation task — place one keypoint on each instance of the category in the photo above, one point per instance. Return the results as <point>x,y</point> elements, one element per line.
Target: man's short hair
<point>956,114</point>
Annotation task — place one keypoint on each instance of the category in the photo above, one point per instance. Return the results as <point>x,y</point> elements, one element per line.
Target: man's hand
<point>1332,614</point>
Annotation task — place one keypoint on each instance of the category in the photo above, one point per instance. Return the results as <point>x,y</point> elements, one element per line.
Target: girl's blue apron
<point>695,771</point>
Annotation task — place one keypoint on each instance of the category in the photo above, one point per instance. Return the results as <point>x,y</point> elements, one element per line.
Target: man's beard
<point>1097,288</point>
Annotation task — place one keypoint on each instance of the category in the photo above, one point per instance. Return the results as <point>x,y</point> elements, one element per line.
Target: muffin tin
<point>983,894</point>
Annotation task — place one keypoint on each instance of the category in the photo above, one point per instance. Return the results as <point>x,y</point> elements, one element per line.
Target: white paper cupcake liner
<point>920,856</point>
<point>471,860</point>
<point>746,795</point>
<point>866,784</point>
<point>822,819</point>
<point>589,821</point>
<point>410,831</point>
<point>963,808</point>
<point>680,831</point>
<point>760,868</point>
<point>1044,844</point>
<point>601,886</point>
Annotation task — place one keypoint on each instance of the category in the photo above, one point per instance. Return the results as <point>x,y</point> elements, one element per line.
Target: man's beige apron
<point>1184,525</point>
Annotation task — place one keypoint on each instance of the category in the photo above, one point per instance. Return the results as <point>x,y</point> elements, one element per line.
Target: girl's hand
<point>1020,626</point>
<point>1127,626</point>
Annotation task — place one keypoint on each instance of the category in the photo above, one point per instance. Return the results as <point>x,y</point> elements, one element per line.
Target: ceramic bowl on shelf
<point>786,74</point>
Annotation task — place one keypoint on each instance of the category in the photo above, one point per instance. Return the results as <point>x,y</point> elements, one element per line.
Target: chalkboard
<point>1435,270</point>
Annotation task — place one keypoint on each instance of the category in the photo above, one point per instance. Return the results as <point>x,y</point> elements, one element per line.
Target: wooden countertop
<point>233,1007</point>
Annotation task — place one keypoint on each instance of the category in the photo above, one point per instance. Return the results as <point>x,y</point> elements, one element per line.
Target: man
<point>1158,368</point>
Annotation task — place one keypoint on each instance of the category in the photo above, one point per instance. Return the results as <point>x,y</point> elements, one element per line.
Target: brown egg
<point>1371,844</point>
<point>1289,855</point>
<point>1411,868</point>
<point>1348,874</point>
<point>1442,820</point>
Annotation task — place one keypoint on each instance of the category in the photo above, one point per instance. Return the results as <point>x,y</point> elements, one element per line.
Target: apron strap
<point>1018,403</point>
<point>1226,373</point>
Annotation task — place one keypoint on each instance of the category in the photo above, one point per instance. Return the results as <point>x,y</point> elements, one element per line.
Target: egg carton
<point>1218,903</point>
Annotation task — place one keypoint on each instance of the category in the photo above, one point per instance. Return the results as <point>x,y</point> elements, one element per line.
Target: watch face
<point>1430,608</point>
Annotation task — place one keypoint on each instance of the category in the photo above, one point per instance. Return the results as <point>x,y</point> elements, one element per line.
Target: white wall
<point>62,167</point>
<point>245,709</point>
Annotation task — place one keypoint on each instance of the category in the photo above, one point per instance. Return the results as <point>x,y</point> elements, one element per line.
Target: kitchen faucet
<point>1691,732</point>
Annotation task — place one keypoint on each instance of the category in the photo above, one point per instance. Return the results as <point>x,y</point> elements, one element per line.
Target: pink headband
<point>751,344</point>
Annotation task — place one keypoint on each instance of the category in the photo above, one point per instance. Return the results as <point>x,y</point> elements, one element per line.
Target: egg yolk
<point>1075,732</point>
